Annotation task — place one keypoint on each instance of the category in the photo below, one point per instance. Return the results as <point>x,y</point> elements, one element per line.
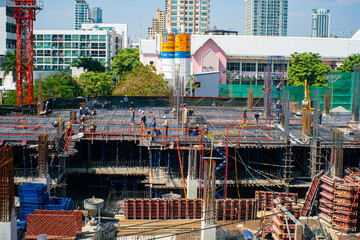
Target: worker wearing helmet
<point>68,129</point>
<point>132,116</point>
<point>92,127</point>
<point>244,115</point>
<point>166,125</point>
<point>82,127</point>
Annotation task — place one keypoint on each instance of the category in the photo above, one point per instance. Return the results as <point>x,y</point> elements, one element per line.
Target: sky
<point>224,14</point>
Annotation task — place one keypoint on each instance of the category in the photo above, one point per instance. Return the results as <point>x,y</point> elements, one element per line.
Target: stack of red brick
<point>265,199</point>
<point>337,197</point>
<point>226,210</point>
<point>56,224</point>
<point>283,225</point>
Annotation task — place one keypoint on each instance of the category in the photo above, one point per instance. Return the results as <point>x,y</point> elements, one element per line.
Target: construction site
<point>265,166</point>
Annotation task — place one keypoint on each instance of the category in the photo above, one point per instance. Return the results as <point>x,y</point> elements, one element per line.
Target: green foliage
<point>143,81</point>
<point>126,60</point>
<point>307,66</point>
<point>60,85</point>
<point>96,84</point>
<point>89,64</point>
<point>10,98</point>
<point>349,63</point>
<point>10,64</point>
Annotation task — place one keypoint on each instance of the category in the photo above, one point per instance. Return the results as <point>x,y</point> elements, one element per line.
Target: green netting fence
<point>341,84</point>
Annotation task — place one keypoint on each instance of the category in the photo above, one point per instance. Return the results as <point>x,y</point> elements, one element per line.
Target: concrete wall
<point>8,230</point>
<point>209,84</point>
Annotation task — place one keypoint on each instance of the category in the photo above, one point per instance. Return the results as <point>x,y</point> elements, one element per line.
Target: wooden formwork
<point>225,210</point>
<point>6,184</point>
<point>265,199</point>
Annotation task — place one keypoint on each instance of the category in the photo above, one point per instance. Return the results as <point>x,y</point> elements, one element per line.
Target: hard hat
<point>131,109</point>
<point>164,117</point>
<point>92,123</point>
<point>244,109</point>
<point>132,102</point>
<point>125,95</point>
<point>142,111</point>
<point>153,118</point>
<point>69,122</point>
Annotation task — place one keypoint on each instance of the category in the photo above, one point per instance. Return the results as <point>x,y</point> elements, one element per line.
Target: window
<point>75,53</point>
<point>67,37</point>
<point>82,38</point>
<point>248,67</point>
<point>67,53</point>
<point>39,45</point>
<point>231,66</point>
<point>40,37</point>
<point>94,37</point>
<point>67,60</point>
<point>94,45</point>
<point>47,37</point>
<point>75,45</point>
<point>262,67</point>
<point>67,45</point>
<point>40,53</point>
<point>102,38</point>
<point>75,37</point>
<point>102,45</point>
<point>39,60</point>
<point>1,82</point>
<point>102,53</point>
<point>151,62</point>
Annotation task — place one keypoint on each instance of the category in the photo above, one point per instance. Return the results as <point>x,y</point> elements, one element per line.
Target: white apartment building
<point>320,23</point>
<point>57,49</point>
<point>193,14</point>
<point>266,17</point>
<point>7,40</point>
<point>120,28</point>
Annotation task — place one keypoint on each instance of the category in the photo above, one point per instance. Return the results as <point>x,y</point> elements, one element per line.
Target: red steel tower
<point>25,14</point>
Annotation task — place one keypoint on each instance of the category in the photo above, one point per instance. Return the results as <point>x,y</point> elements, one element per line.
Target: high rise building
<point>266,17</point>
<point>96,14</point>
<point>120,28</point>
<point>7,40</point>
<point>320,23</point>
<point>82,14</point>
<point>158,24</point>
<point>193,14</point>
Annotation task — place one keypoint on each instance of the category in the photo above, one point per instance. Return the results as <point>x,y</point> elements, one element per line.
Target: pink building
<point>244,59</point>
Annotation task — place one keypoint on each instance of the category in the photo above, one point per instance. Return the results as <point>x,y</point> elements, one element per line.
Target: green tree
<point>89,64</point>
<point>96,84</point>
<point>143,81</point>
<point>126,60</point>
<point>307,66</point>
<point>10,64</point>
<point>349,63</point>
<point>10,98</point>
<point>59,85</point>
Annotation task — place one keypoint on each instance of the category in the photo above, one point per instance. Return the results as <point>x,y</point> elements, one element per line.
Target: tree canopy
<point>59,85</point>
<point>96,84</point>
<point>142,81</point>
<point>349,63</point>
<point>307,66</point>
<point>126,60</point>
<point>89,64</point>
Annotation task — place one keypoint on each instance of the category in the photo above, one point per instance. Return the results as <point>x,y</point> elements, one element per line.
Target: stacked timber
<point>284,227</point>
<point>339,203</point>
<point>265,199</point>
<point>327,197</point>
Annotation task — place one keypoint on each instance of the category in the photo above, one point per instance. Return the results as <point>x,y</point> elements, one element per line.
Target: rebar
<point>7,207</point>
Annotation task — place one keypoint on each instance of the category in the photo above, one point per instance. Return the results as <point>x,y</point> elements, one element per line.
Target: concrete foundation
<point>191,188</point>
<point>8,230</point>
<point>209,232</point>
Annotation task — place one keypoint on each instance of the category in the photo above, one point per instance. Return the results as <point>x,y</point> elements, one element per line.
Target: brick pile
<point>265,199</point>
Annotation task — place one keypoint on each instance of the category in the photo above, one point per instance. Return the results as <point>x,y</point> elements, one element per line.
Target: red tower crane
<point>25,15</point>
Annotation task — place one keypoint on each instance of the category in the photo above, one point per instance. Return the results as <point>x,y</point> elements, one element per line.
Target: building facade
<point>58,49</point>
<point>82,14</point>
<point>96,14</point>
<point>7,40</point>
<point>193,14</point>
<point>266,17</point>
<point>119,28</point>
<point>244,59</point>
<point>320,23</point>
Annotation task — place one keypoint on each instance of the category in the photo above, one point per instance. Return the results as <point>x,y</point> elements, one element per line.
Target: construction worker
<point>320,117</point>
<point>106,105</point>
<point>55,124</point>
<point>278,107</point>
<point>121,104</point>
<point>80,113</point>
<point>206,129</point>
<point>244,115</point>
<point>153,125</point>
<point>68,129</point>
<point>126,101</point>
<point>132,104</point>
<point>93,112</point>
<point>92,127</point>
<point>47,108</point>
<point>256,117</point>
<point>132,116</point>
<point>82,118</point>
<point>166,125</point>
<point>191,112</point>
<point>82,127</point>
<point>143,118</point>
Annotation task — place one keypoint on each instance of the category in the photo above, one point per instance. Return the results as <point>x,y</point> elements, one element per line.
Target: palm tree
<point>10,64</point>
